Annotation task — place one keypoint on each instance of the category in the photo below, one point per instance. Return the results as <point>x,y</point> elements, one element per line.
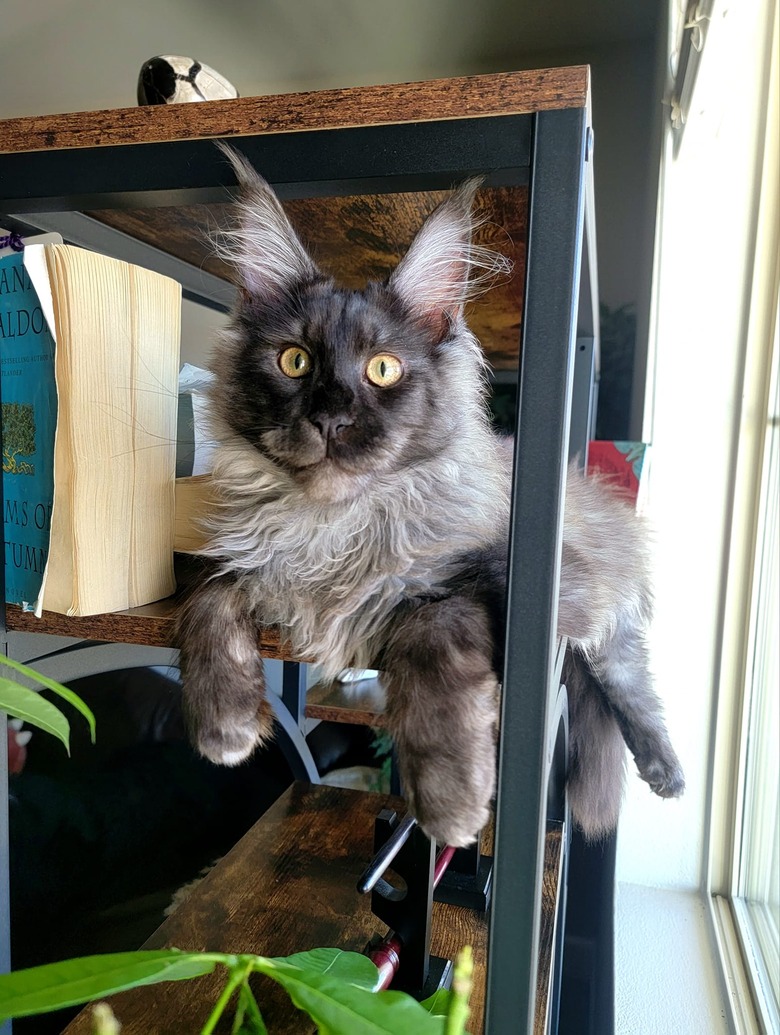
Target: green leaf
<point>26,704</point>
<point>353,967</point>
<point>462,983</point>
<point>71,982</point>
<point>439,1003</point>
<point>249,1020</point>
<point>52,684</point>
<point>345,1009</point>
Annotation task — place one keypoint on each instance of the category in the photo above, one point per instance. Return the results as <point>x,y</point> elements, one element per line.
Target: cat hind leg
<point>623,673</point>
<point>225,707</point>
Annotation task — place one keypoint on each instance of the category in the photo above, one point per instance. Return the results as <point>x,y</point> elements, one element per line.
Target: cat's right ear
<point>263,247</point>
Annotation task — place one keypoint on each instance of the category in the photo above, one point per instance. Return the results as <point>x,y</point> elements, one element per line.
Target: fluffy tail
<point>597,753</point>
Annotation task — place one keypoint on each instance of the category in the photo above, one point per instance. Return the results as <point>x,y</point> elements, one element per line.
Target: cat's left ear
<point>265,250</point>
<point>443,269</point>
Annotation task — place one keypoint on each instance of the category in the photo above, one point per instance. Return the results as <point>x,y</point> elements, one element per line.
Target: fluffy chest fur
<point>331,573</point>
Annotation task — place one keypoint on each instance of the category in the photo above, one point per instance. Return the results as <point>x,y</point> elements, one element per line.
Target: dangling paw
<point>663,773</point>
<point>232,741</point>
<point>450,805</point>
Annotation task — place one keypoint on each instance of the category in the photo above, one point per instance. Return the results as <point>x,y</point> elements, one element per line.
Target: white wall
<point>704,270</point>
<point>199,326</point>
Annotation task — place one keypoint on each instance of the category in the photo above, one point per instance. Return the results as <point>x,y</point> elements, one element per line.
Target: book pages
<point>117,329</point>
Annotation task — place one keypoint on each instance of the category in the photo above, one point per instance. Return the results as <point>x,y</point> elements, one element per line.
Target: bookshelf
<point>143,181</point>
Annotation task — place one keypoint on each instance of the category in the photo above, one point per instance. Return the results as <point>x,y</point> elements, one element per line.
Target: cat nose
<point>331,427</point>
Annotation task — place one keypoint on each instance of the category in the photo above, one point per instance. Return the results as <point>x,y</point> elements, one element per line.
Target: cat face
<point>337,386</point>
<point>334,383</point>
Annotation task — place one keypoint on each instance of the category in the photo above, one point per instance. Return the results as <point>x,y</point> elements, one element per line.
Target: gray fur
<point>371,525</point>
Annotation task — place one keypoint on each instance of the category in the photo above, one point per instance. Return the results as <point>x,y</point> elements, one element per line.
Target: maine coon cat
<point>364,510</point>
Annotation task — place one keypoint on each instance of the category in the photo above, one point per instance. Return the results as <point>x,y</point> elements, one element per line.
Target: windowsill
<point>667,980</point>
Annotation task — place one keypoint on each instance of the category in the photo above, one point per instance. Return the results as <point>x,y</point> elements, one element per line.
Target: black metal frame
<point>318,163</point>
<point>550,148</point>
<point>556,207</point>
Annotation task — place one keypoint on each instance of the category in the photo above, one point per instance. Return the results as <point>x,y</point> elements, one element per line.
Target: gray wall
<point>70,55</point>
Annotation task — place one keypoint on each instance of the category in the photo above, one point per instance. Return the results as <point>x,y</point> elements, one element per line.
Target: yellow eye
<point>384,370</point>
<point>295,362</point>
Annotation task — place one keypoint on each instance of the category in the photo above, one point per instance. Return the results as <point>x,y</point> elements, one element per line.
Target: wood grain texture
<point>551,887</point>
<point>361,238</point>
<point>150,625</point>
<point>288,885</point>
<point>503,93</point>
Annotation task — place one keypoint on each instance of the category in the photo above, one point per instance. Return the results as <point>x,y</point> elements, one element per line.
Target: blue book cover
<point>29,416</point>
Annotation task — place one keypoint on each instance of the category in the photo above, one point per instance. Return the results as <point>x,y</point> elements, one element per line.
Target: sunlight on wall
<point>702,281</point>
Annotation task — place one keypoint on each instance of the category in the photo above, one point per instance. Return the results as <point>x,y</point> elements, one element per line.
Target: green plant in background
<point>20,702</point>
<point>335,988</point>
<point>382,746</point>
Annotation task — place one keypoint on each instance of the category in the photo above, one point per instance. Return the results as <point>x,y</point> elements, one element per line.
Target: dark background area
<point>101,841</point>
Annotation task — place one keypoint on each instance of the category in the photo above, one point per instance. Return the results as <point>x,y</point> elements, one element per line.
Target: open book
<point>116,331</point>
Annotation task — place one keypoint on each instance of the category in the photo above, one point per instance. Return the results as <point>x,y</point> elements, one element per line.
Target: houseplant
<point>335,988</point>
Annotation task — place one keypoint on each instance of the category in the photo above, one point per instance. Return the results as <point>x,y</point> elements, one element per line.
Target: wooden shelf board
<point>150,625</point>
<point>551,888</point>
<point>503,93</point>
<point>288,885</point>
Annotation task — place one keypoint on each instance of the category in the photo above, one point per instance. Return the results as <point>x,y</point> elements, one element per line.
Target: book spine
<point>29,416</point>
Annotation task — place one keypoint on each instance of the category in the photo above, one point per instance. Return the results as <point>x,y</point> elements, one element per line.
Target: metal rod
<point>387,959</point>
<point>443,860</point>
<point>386,854</point>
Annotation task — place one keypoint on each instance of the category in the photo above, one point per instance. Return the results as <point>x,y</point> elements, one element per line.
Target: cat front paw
<point>663,774</point>
<point>448,818</point>
<point>450,793</point>
<point>233,741</point>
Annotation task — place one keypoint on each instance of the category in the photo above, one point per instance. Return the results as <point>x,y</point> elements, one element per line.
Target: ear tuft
<point>262,246</point>
<point>443,269</point>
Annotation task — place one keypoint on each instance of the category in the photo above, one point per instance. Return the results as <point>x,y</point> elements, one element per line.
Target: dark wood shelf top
<point>150,626</point>
<point>551,887</point>
<point>503,93</point>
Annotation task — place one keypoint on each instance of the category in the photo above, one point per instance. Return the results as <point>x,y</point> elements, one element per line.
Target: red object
<point>443,860</point>
<point>17,753</point>
<point>387,955</point>
<point>621,463</point>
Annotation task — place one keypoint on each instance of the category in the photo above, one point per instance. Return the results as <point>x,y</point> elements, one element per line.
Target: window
<point>755,891</point>
<point>745,834</point>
